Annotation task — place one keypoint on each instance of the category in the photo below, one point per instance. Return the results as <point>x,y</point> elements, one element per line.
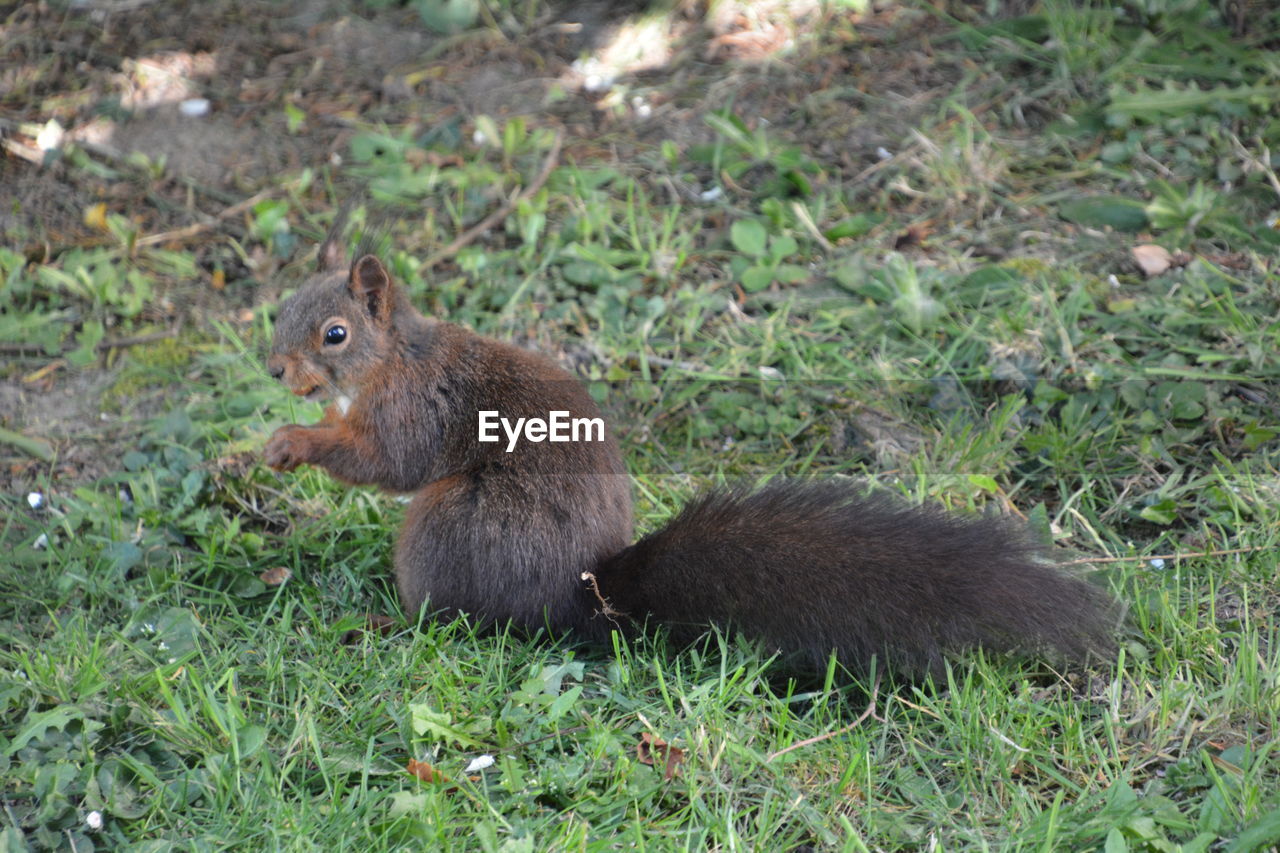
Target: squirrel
<point>539,533</point>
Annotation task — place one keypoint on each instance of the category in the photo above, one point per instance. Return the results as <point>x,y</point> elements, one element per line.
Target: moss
<point>147,367</point>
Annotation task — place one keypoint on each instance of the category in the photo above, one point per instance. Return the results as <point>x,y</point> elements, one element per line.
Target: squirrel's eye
<point>335,335</point>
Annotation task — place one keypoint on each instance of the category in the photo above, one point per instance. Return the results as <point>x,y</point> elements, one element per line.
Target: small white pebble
<point>194,107</point>
<point>94,820</point>
<point>50,136</point>
<point>884,153</point>
<point>1113,281</point>
<point>42,542</point>
<point>35,499</point>
<point>595,76</point>
<point>711,194</point>
<point>1157,563</point>
<point>480,762</point>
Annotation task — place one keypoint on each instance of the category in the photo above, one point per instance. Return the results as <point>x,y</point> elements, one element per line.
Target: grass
<point>961,324</point>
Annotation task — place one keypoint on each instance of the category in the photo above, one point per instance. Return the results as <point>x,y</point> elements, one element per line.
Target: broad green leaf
<point>1118,212</point>
<point>749,237</point>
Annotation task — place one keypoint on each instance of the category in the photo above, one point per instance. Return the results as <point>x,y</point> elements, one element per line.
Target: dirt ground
<point>183,111</point>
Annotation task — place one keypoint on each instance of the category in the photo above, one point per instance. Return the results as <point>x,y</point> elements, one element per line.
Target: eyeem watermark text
<point>557,426</point>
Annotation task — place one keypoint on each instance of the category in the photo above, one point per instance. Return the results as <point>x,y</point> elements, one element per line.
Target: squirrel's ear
<point>371,284</point>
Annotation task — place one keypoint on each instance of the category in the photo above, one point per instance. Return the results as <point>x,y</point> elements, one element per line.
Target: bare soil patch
<point>184,110</point>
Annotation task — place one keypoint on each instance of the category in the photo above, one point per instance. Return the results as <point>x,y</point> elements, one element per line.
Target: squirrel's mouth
<point>310,394</point>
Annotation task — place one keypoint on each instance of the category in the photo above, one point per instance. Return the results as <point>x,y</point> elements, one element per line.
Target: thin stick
<point>103,346</point>
<point>1260,163</point>
<point>468,236</point>
<point>606,609</point>
<point>870,712</point>
<point>201,227</point>
<point>1184,556</point>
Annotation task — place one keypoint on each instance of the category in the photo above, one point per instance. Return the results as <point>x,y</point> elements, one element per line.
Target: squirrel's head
<point>336,329</point>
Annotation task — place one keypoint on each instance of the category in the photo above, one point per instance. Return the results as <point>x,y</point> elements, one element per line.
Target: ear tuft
<point>371,284</point>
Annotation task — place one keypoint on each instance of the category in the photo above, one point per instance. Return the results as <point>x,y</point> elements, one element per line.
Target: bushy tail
<point>812,567</point>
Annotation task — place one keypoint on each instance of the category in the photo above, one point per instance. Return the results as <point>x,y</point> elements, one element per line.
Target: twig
<point>121,343</point>
<point>1183,556</point>
<point>201,227</point>
<point>802,214</point>
<point>466,237</point>
<point>116,5</point>
<point>1255,162</point>
<point>103,346</point>
<point>870,712</point>
<point>606,609</point>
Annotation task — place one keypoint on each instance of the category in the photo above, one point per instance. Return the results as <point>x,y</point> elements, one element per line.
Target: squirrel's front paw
<point>286,449</point>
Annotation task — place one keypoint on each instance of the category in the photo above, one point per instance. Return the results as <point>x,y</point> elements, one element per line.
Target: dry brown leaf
<point>1152,259</point>
<point>914,235</point>
<point>95,216</point>
<point>426,773</point>
<point>276,576</point>
<point>652,749</point>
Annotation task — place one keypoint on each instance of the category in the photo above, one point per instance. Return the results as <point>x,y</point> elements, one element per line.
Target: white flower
<point>35,500</point>
<point>94,820</point>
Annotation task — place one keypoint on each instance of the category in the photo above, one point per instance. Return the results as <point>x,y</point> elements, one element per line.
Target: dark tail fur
<point>808,568</point>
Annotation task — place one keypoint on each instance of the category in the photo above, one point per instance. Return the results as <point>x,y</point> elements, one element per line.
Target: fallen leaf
<point>425,772</point>
<point>1152,259</point>
<point>276,576</point>
<point>651,749</point>
<point>95,216</point>
<point>28,444</point>
<point>913,236</point>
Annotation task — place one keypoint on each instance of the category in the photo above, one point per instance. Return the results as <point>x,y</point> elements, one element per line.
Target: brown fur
<point>808,568</point>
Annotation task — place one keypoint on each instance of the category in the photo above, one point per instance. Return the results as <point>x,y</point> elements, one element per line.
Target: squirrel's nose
<point>275,366</point>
